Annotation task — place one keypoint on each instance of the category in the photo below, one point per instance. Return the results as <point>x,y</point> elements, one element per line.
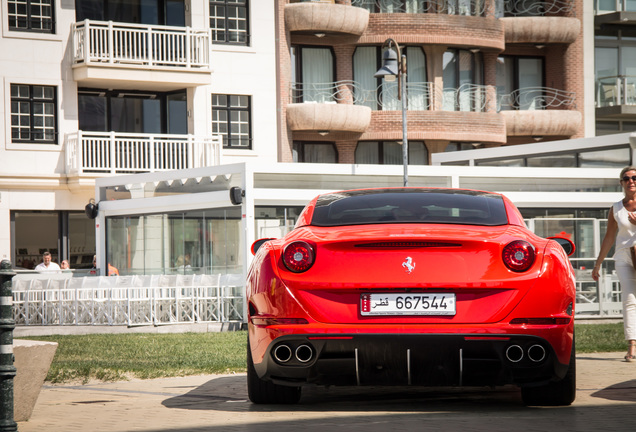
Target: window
<point>231,118</point>
<point>33,114</point>
<point>313,75</point>
<point>460,146</point>
<point>128,111</point>
<point>390,153</point>
<point>31,15</point>
<point>615,70</point>
<point>463,79</point>
<point>520,83</point>
<point>409,206</point>
<point>315,152</point>
<point>207,241</point>
<point>161,12</point>
<point>66,234</point>
<point>371,90</point>
<point>603,6</point>
<point>229,21</point>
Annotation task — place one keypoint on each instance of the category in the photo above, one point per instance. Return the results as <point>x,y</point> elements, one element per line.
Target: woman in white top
<point>621,228</point>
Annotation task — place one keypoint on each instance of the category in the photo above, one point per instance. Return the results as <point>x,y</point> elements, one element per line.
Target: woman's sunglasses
<point>628,178</point>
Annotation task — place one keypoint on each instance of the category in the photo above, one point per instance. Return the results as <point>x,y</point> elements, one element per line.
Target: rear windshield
<point>410,206</point>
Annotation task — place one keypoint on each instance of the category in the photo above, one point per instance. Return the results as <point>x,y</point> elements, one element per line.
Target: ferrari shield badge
<point>409,265</point>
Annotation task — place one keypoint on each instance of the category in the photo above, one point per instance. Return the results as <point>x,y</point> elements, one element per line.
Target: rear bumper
<point>410,359</point>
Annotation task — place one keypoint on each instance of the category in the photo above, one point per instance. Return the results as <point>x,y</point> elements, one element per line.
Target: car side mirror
<point>566,244</point>
<point>258,243</point>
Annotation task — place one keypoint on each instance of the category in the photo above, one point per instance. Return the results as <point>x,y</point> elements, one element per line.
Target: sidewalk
<point>219,403</point>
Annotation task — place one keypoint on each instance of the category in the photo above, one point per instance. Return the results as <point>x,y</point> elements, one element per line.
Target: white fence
<point>106,42</point>
<point>600,299</point>
<point>61,299</point>
<point>119,152</point>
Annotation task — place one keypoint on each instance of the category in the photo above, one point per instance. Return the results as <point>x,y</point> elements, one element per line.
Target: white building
<point>94,88</point>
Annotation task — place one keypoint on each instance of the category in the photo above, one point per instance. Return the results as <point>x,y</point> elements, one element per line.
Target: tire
<point>560,393</point>
<point>266,392</point>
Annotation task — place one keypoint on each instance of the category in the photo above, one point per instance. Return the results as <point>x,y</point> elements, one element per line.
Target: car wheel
<point>266,392</point>
<point>558,393</point>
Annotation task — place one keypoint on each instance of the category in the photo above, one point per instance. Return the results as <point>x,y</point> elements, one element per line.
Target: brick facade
<point>435,33</point>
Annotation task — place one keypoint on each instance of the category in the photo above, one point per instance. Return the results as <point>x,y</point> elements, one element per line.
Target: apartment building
<point>97,88</point>
<point>479,73</point>
<point>615,66</point>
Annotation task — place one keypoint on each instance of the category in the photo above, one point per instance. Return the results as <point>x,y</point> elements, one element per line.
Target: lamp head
<point>390,67</point>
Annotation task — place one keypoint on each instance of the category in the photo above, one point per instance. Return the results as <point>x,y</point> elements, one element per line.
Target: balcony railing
<point>100,42</point>
<point>119,152</point>
<point>421,96</point>
<point>448,7</point>
<point>616,90</point>
<point>514,8</point>
<point>537,98</point>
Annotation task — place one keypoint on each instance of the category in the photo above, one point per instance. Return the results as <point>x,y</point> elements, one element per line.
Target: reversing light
<point>518,255</point>
<point>298,256</point>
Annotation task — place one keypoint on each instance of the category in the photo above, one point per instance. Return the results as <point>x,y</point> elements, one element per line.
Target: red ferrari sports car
<point>411,286</point>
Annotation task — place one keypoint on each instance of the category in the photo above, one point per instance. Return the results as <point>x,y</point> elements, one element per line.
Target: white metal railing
<point>119,152</point>
<point>467,97</point>
<point>534,7</point>
<point>616,90</point>
<point>421,96</point>
<point>127,300</point>
<point>449,7</point>
<point>600,299</point>
<point>537,98</point>
<point>106,42</point>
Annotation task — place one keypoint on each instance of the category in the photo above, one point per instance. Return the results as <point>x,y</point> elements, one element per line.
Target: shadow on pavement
<point>624,391</point>
<point>226,393</point>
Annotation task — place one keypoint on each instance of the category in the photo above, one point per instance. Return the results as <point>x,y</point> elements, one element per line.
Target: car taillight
<point>298,256</point>
<point>518,255</point>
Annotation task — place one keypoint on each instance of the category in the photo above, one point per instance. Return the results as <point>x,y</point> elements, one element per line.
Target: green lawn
<point>112,357</point>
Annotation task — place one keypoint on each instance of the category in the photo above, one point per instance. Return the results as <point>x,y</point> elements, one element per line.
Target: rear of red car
<point>411,287</point>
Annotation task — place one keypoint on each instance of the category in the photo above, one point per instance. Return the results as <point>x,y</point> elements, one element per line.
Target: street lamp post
<point>394,65</point>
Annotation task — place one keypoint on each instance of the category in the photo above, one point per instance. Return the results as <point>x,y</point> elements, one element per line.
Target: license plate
<point>407,304</point>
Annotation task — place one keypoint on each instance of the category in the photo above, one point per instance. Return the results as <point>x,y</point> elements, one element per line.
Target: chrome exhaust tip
<point>514,353</point>
<point>536,353</point>
<point>304,353</point>
<point>282,353</point>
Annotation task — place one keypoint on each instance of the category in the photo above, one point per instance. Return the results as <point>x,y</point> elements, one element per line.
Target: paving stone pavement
<point>606,400</point>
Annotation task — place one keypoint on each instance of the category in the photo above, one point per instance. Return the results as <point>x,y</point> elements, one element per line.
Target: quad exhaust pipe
<point>284,353</point>
<point>536,353</point>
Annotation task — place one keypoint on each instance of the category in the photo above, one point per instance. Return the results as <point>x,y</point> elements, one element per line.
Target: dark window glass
<point>229,21</point>
<point>315,152</point>
<point>410,206</point>
<point>33,114</point>
<point>152,12</point>
<point>31,15</point>
<point>154,113</point>
<point>390,153</point>
<point>231,118</point>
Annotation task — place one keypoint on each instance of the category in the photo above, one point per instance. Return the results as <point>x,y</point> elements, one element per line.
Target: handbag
<point>632,252</point>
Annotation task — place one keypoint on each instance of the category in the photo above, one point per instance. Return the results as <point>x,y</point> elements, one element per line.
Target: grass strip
<point>114,357</point>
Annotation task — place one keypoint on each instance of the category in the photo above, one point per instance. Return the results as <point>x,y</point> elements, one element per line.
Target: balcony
<point>540,111</point>
<point>616,97</point>
<point>540,22</point>
<point>91,154</point>
<point>445,7</point>
<point>328,107</point>
<point>325,19</point>
<point>470,24</point>
<point>137,56</point>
